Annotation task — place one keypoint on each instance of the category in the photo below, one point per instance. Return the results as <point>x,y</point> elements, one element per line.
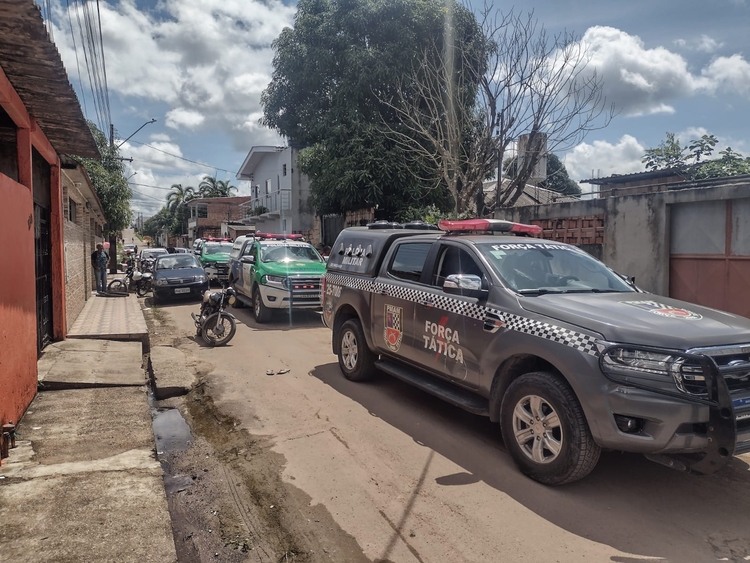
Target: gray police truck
<point>568,356</point>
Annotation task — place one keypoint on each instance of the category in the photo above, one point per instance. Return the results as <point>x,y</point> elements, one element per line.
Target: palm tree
<point>176,200</point>
<point>179,196</point>
<point>211,187</point>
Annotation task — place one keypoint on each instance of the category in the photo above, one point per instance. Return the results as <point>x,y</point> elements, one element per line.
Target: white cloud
<point>640,81</point>
<point>160,137</point>
<point>179,118</point>
<point>703,43</point>
<point>207,60</point>
<point>731,73</point>
<point>604,158</point>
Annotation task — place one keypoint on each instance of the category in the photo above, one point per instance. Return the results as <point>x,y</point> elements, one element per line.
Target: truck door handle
<point>426,302</point>
<point>493,323</point>
<point>384,292</point>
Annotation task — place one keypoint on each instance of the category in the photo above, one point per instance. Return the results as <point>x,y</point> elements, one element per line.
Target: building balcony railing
<point>274,202</point>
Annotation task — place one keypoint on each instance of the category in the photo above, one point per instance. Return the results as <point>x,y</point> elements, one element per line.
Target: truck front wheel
<point>356,361</point>
<point>545,430</point>
<point>261,313</point>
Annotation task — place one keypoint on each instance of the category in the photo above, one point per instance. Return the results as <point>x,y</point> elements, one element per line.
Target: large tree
<point>336,76</point>
<point>110,184</point>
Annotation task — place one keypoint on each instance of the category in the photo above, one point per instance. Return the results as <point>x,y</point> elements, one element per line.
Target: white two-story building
<point>280,192</point>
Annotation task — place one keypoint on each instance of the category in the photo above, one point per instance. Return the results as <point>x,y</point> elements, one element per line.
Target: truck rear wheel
<point>545,430</point>
<point>356,361</point>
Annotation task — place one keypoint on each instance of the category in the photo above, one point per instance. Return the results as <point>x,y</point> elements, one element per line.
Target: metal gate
<point>710,254</point>
<point>43,261</point>
<point>332,226</point>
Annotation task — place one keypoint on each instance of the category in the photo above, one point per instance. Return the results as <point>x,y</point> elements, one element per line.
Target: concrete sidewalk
<point>83,483</point>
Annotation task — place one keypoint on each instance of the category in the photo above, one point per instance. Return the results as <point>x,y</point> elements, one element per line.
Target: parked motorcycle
<point>212,323</point>
<point>142,282</point>
<point>123,284</point>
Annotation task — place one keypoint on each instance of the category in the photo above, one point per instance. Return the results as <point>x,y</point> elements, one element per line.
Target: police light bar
<point>278,236</point>
<point>489,225</point>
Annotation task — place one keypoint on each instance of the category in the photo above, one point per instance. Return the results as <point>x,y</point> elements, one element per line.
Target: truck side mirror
<point>464,284</point>
<point>248,259</point>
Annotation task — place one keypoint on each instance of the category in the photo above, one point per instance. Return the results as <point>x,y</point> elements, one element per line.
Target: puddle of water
<point>171,432</point>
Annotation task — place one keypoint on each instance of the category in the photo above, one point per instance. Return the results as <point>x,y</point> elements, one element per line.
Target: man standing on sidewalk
<point>99,260</point>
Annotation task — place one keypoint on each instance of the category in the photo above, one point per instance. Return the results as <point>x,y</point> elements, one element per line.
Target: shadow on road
<point>300,319</point>
<point>628,503</point>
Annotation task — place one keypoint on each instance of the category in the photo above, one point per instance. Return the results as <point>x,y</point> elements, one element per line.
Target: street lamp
<point>112,133</point>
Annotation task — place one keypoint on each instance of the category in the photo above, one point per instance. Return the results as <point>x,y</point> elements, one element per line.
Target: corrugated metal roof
<point>623,178</point>
<point>532,195</point>
<point>34,68</point>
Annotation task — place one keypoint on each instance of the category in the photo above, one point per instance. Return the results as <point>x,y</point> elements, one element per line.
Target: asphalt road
<point>416,480</point>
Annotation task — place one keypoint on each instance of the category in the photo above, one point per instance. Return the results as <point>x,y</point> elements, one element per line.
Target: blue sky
<point>669,65</point>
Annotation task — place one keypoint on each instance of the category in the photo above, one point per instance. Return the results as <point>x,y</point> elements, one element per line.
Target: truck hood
<point>293,268</point>
<point>215,257</point>
<point>643,318</point>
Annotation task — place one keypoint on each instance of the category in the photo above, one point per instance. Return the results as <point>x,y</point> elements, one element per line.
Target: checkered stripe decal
<point>581,342</point>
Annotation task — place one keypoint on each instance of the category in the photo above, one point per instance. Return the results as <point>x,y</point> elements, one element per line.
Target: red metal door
<point>710,258</point>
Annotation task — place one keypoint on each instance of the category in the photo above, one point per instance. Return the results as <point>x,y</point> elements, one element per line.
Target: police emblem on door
<point>393,332</point>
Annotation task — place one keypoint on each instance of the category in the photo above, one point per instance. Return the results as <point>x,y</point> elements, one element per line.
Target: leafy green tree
<point>110,184</point>
<point>731,163</point>
<point>670,154</point>
<point>336,76</point>
<point>163,218</point>
<point>211,187</point>
<point>691,160</point>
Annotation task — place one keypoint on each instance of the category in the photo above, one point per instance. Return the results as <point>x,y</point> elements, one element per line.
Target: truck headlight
<point>659,369</point>
<point>635,360</point>
<point>278,281</point>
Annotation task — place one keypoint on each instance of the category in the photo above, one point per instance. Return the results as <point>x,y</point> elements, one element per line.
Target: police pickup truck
<point>276,271</point>
<point>566,355</point>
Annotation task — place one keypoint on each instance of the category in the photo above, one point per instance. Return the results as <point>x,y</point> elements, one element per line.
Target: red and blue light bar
<point>278,236</point>
<point>489,225</point>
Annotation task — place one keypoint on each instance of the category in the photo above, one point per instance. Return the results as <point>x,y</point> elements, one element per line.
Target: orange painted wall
<point>18,368</point>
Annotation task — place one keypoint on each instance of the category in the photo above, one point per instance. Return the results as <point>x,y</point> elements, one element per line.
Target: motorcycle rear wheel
<point>221,335</point>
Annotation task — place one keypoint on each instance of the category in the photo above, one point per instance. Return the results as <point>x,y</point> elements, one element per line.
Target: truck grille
<point>305,289</point>
<point>734,365</point>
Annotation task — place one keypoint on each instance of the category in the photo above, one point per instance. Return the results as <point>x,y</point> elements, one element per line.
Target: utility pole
<point>112,234</point>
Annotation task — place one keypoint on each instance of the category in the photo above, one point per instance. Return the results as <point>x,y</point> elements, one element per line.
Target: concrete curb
<point>171,375</point>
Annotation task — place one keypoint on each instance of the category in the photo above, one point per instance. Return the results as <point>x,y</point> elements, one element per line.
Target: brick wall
<point>81,232</point>
<point>76,238</point>
<point>573,230</point>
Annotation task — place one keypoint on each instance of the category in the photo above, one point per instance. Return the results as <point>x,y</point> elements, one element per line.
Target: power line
<point>148,196</point>
<point>78,65</point>
<point>150,186</point>
<point>183,158</point>
<point>104,64</point>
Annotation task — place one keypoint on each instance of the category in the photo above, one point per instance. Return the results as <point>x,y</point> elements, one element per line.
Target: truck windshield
<point>537,268</point>
<point>289,253</point>
<point>217,248</point>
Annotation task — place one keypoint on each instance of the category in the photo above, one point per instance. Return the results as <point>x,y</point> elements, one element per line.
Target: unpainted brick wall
<point>573,230</point>
<point>77,252</point>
